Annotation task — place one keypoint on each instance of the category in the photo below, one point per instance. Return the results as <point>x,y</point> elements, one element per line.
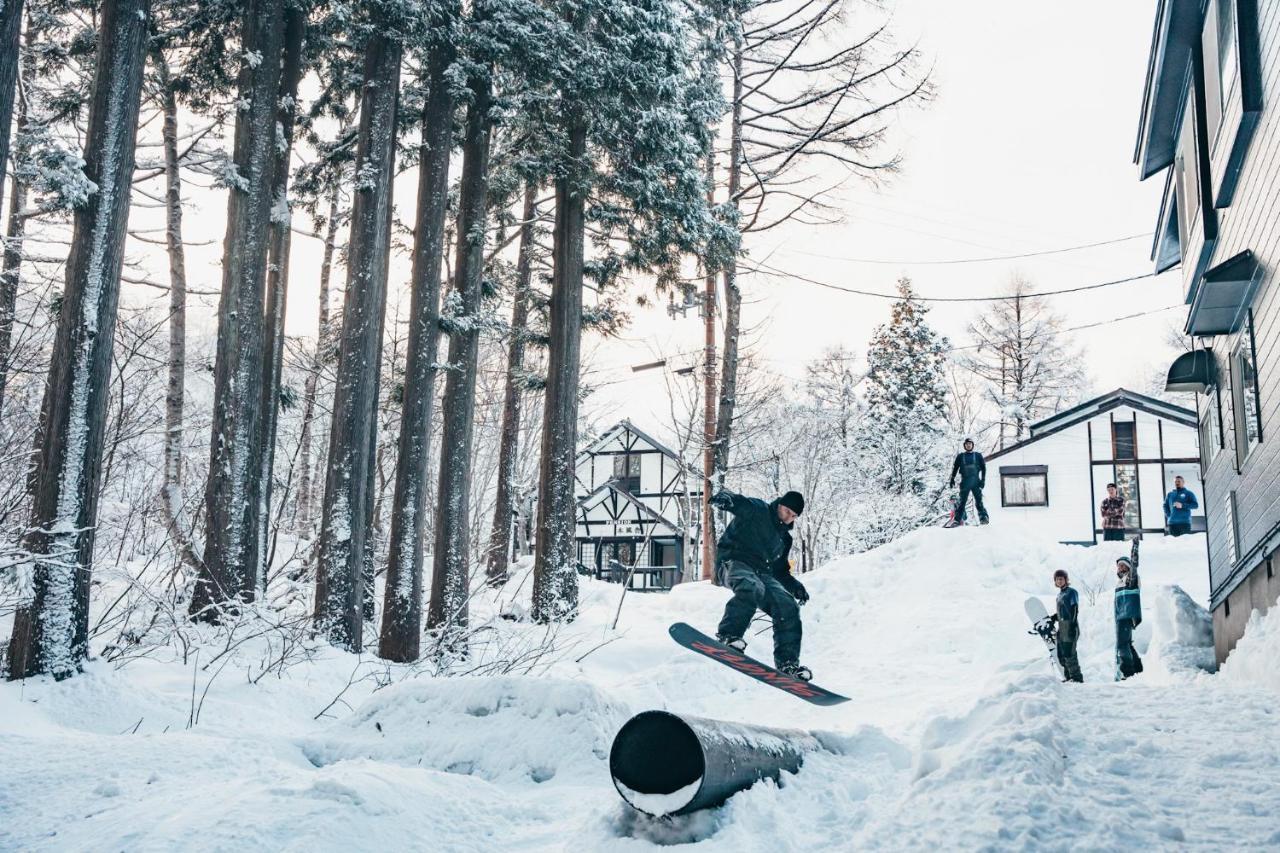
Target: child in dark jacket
<point>1068,620</point>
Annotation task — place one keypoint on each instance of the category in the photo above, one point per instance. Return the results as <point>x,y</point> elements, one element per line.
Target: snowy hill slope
<point>958,734</point>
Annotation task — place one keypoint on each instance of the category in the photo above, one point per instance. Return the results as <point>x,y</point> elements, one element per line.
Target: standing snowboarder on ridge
<point>972,469</point>
<point>1068,623</point>
<point>1128,614</point>
<point>751,559</point>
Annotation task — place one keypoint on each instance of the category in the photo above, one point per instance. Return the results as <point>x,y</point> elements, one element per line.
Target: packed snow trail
<point>957,736</point>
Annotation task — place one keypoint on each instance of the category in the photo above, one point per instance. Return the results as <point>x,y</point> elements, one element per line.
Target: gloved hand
<point>800,593</point>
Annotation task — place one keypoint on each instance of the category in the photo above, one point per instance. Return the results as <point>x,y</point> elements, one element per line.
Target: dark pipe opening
<point>656,753</point>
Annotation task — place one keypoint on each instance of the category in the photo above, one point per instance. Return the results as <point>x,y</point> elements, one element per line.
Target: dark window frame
<point>631,466</point>
<point>1246,345</point>
<point>1133,439</point>
<point>1019,472</point>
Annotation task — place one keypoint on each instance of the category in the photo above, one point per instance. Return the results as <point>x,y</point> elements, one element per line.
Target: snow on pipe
<point>663,764</point>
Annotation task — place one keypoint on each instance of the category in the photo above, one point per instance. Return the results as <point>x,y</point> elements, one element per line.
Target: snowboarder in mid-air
<point>751,559</point>
<point>972,469</point>
<point>1128,614</point>
<point>1068,625</point>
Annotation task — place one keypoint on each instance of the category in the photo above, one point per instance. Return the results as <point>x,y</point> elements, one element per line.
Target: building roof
<point>1097,406</point>
<point>613,486</point>
<point>1177,28</point>
<point>626,424</point>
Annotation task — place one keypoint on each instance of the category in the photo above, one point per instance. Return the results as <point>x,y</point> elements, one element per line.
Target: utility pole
<point>709,397</point>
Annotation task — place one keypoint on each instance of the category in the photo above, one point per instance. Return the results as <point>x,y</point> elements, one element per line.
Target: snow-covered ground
<point>958,735</point>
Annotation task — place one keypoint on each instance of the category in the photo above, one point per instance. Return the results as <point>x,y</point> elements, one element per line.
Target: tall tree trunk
<point>732,293</point>
<point>171,490</point>
<point>555,578</point>
<point>450,574</point>
<point>400,639</point>
<point>10,31</point>
<point>15,227</point>
<point>340,577</point>
<point>235,468</point>
<point>306,490</point>
<point>295,24</point>
<point>504,509</point>
<point>51,632</point>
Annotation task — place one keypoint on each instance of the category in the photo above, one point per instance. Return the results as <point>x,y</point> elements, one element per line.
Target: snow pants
<point>976,491</point>
<point>1069,661</point>
<point>754,590</point>
<point>1127,661</point>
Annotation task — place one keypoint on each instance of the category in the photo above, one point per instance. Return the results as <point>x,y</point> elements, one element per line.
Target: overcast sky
<point>1027,147</point>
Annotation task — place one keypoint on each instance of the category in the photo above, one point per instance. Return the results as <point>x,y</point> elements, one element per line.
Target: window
<point>1024,485</point>
<point>1246,403</point>
<point>1210,430</point>
<point>1126,478</point>
<point>1124,444</point>
<point>1218,45</point>
<point>626,471</point>
<point>1186,176</point>
<point>1233,533</point>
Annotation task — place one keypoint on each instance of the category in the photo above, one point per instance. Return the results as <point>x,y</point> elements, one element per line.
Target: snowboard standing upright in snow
<point>752,561</point>
<point>1042,627</point>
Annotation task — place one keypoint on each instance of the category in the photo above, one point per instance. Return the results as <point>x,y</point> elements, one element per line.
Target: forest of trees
<point>452,197</point>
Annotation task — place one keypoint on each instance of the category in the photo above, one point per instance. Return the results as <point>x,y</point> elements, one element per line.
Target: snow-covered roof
<point>1099,405</point>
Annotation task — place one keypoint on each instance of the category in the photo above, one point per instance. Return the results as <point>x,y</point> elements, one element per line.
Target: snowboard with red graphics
<point>694,640</point>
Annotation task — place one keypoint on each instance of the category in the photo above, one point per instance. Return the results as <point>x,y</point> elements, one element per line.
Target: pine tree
<point>51,632</point>
<point>906,400</point>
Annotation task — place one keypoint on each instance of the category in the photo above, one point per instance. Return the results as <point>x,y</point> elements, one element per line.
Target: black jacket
<point>756,536</point>
<point>1068,615</point>
<point>972,469</point>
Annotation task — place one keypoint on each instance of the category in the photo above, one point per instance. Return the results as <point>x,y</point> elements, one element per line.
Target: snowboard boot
<point>795,670</point>
<point>736,643</point>
<point>984,520</point>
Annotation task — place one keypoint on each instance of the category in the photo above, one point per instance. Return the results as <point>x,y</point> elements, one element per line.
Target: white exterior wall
<point>1077,486</point>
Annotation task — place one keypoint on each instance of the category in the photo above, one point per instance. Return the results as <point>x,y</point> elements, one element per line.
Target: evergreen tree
<point>906,402</point>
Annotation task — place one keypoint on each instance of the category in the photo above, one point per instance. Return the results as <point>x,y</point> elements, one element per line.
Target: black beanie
<point>793,501</point>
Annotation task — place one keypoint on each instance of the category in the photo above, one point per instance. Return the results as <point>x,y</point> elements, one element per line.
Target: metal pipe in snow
<point>663,764</point>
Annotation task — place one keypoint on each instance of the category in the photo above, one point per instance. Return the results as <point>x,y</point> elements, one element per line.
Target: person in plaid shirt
<point>1112,515</point>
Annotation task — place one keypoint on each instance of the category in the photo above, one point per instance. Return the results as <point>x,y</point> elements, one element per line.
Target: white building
<point>638,506</point>
<point>1054,481</point>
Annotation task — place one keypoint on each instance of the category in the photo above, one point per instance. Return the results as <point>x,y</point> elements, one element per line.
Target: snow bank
<point>508,730</point>
<point>1256,658</point>
<point>1182,632</point>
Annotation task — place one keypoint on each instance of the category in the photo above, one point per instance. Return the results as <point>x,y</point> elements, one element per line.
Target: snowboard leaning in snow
<point>1042,626</point>
<point>693,639</point>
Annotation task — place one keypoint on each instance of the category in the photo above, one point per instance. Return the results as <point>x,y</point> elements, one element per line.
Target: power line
<point>905,262</point>
<point>768,270</point>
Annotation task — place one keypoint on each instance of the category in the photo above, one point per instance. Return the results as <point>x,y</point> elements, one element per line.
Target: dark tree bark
<point>175,389</point>
<point>306,497</point>
<point>504,508</point>
<point>340,577</point>
<point>232,492</point>
<point>400,639</point>
<point>295,24</point>
<point>732,292</point>
<point>15,227</point>
<point>555,578</point>
<point>10,31</point>
<point>450,572</point>
<point>50,634</point>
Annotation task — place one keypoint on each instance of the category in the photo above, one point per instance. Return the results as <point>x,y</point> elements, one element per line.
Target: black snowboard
<point>1043,627</point>
<point>693,639</point>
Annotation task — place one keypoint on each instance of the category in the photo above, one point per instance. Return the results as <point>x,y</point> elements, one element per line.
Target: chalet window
<point>1024,485</point>
<point>1210,429</point>
<point>626,471</point>
<point>1186,176</point>
<point>1218,44</point>
<point>1233,532</point>
<point>1124,443</point>
<point>1126,478</point>
<point>1233,86</point>
<point>1245,398</point>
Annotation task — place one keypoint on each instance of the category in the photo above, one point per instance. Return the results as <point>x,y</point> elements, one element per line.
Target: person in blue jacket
<point>1128,614</point>
<point>751,559</point>
<point>1177,508</point>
